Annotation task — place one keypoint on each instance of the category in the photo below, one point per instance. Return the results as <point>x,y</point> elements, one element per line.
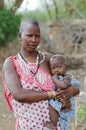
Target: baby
<point>62,80</point>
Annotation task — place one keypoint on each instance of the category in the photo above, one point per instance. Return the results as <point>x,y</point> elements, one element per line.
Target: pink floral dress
<point>30,116</point>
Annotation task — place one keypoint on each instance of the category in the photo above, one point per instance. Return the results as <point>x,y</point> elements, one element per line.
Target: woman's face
<point>30,37</point>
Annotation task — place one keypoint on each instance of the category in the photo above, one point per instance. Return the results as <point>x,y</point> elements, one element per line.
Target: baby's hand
<point>55,77</point>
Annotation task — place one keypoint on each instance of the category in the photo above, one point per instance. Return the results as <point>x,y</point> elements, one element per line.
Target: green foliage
<point>82,113</point>
<point>9,24</point>
<point>75,9</point>
<point>41,16</point>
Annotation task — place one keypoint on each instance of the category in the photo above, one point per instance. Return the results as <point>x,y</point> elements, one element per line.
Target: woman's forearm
<point>30,96</point>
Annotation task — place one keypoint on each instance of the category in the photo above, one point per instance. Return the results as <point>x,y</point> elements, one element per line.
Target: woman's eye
<point>38,36</point>
<point>30,35</point>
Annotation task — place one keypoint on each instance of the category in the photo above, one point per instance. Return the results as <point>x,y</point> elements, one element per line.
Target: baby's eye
<point>53,68</point>
<point>59,66</point>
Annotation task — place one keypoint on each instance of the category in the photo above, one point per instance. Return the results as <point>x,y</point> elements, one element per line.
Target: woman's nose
<point>34,38</point>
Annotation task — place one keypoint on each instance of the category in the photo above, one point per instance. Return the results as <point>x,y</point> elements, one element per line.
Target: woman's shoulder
<point>8,63</point>
<point>47,55</point>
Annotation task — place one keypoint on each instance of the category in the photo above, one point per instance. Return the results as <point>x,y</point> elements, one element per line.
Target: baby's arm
<point>62,84</point>
<point>76,83</point>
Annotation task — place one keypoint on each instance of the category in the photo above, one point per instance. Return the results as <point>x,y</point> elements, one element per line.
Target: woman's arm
<point>48,56</point>
<point>14,85</point>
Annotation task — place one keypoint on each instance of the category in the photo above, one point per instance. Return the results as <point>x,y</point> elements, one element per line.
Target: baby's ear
<point>67,66</point>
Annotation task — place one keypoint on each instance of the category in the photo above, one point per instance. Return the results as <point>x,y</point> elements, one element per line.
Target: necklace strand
<point>43,57</point>
<point>37,62</point>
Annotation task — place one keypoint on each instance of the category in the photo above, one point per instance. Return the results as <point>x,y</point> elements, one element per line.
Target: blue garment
<point>65,116</point>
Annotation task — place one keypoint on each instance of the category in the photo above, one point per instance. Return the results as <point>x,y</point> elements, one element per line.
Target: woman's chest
<point>29,79</point>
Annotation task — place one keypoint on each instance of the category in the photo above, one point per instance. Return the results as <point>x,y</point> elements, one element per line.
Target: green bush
<point>9,24</point>
<point>82,113</point>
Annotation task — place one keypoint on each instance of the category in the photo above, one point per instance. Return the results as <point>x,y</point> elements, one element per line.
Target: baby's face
<point>58,67</point>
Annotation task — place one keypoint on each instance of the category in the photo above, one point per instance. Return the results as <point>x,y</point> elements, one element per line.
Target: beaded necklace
<point>38,62</point>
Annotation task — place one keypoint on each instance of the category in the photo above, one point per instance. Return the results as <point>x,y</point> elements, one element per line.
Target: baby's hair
<point>59,56</point>
<point>24,22</point>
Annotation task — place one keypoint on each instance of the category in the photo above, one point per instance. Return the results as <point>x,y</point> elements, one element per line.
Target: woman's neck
<point>29,56</point>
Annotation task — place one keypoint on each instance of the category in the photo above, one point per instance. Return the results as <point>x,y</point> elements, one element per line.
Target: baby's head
<point>58,64</point>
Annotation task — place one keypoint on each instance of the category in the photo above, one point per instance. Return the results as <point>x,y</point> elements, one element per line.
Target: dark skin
<point>30,39</point>
<point>23,95</point>
<point>58,67</point>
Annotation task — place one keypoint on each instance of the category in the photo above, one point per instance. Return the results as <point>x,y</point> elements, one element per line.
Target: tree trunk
<point>1,4</point>
<point>16,5</point>
<point>48,10</point>
<point>56,8</point>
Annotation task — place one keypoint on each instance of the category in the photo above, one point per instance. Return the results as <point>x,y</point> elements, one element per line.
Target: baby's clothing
<point>65,116</point>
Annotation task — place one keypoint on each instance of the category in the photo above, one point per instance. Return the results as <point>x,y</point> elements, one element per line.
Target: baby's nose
<point>56,69</point>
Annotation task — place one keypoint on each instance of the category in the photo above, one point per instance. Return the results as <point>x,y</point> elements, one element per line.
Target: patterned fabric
<point>65,115</point>
<point>30,116</point>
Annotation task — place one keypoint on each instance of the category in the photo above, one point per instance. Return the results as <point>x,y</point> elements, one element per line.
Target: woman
<point>25,75</point>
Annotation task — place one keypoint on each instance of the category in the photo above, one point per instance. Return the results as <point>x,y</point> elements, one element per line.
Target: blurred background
<point>63,30</point>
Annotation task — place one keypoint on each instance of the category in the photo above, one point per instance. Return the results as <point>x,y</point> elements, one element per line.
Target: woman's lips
<point>32,46</point>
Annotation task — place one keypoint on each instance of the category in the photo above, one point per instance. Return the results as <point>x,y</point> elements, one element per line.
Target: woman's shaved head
<point>26,23</point>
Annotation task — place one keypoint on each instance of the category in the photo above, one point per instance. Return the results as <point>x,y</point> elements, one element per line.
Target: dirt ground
<point>6,118</point>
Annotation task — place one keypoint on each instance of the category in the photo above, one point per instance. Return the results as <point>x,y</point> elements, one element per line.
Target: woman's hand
<point>61,96</point>
<point>67,93</point>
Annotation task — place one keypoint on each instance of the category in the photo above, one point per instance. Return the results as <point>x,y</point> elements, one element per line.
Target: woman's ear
<point>19,36</point>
